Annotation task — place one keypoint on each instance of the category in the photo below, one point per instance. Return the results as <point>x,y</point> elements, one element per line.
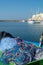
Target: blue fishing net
<point>18,52</point>
<point>7,43</point>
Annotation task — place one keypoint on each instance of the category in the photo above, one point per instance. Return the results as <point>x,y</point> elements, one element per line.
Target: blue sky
<point>19,9</point>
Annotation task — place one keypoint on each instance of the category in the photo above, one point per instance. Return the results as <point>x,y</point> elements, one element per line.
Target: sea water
<point>29,32</point>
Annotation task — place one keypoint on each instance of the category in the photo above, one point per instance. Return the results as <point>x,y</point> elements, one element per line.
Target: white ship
<point>23,20</point>
<point>38,18</point>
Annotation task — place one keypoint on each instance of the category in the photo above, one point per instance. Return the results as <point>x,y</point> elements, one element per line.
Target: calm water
<point>26,31</point>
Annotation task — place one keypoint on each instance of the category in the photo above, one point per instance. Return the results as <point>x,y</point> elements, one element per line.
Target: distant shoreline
<point>35,21</point>
<point>10,20</point>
